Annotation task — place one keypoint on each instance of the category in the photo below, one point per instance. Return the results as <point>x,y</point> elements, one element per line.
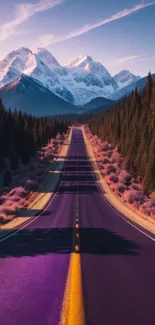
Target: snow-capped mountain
<point>125,78</point>
<point>12,66</point>
<point>86,62</point>
<point>125,91</point>
<point>24,61</point>
<point>30,96</point>
<point>79,83</point>
<point>47,58</point>
<point>93,73</point>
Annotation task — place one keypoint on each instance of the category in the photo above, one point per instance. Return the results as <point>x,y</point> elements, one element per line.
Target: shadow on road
<point>78,188</point>
<point>33,242</point>
<point>33,213</point>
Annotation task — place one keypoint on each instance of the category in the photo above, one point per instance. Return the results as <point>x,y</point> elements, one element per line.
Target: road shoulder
<point>44,194</point>
<point>147,224</point>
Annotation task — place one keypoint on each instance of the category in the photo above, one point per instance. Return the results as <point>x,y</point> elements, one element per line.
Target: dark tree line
<point>21,134</point>
<point>130,124</point>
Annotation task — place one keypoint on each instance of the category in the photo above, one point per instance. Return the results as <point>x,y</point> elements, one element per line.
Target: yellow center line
<point>73,307</point>
<point>72,312</point>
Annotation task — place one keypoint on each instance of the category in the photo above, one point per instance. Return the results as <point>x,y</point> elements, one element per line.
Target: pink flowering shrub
<point>17,191</point>
<point>148,207</point>
<point>121,188</point>
<point>136,186</point>
<point>100,164</point>
<point>145,209</point>
<point>125,177</point>
<point>136,205</point>
<point>106,161</point>
<point>27,178</point>
<point>8,210</point>
<point>130,196</point>
<point>118,188</point>
<point>115,157</point>
<point>109,169</point>
<point>113,178</point>
<point>112,167</point>
<point>94,140</point>
<point>105,146</point>
<point>12,201</point>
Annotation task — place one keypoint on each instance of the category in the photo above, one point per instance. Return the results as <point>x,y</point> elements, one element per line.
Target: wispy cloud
<point>23,12</point>
<point>48,39</point>
<point>125,59</point>
<point>131,58</point>
<point>125,62</point>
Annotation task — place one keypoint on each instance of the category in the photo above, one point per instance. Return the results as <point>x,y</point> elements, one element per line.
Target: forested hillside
<point>21,135</point>
<point>130,125</point>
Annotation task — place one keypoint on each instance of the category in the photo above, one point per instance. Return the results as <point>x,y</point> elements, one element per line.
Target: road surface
<point>117,262</point>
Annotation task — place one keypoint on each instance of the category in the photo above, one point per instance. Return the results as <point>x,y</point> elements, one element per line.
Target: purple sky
<point>120,34</point>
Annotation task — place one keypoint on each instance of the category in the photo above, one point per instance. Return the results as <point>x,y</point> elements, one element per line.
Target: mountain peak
<point>123,72</point>
<point>24,49</point>
<point>47,58</point>
<point>85,57</point>
<point>125,77</point>
<point>80,61</point>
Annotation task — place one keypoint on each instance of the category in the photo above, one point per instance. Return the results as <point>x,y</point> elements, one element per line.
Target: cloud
<point>86,28</point>
<point>127,62</point>
<point>125,59</point>
<point>23,13</point>
<point>131,58</point>
<point>46,40</point>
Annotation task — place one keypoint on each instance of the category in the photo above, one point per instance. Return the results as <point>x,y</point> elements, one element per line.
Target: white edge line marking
<point>121,216</point>
<point>31,221</point>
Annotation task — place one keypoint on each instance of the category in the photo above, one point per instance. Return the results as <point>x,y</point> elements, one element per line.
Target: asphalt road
<point>117,260</point>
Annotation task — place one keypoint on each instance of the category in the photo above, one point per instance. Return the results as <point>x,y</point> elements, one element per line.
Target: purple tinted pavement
<point>34,262</point>
<point>117,261</point>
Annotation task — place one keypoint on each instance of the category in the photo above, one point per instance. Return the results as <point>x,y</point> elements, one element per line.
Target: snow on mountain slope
<point>90,79</point>
<point>125,78</point>
<point>86,64</point>
<point>29,95</point>
<point>12,66</point>
<point>24,61</point>
<point>83,80</point>
<point>80,61</point>
<point>47,58</point>
<point>84,85</point>
<point>139,84</point>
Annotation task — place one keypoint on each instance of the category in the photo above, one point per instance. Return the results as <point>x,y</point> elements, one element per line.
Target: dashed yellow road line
<point>73,307</point>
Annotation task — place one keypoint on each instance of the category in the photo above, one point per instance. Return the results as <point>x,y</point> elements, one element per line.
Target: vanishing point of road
<point>78,262</point>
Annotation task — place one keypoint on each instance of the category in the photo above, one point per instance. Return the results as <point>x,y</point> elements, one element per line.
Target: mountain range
<point>82,82</point>
<point>30,96</point>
